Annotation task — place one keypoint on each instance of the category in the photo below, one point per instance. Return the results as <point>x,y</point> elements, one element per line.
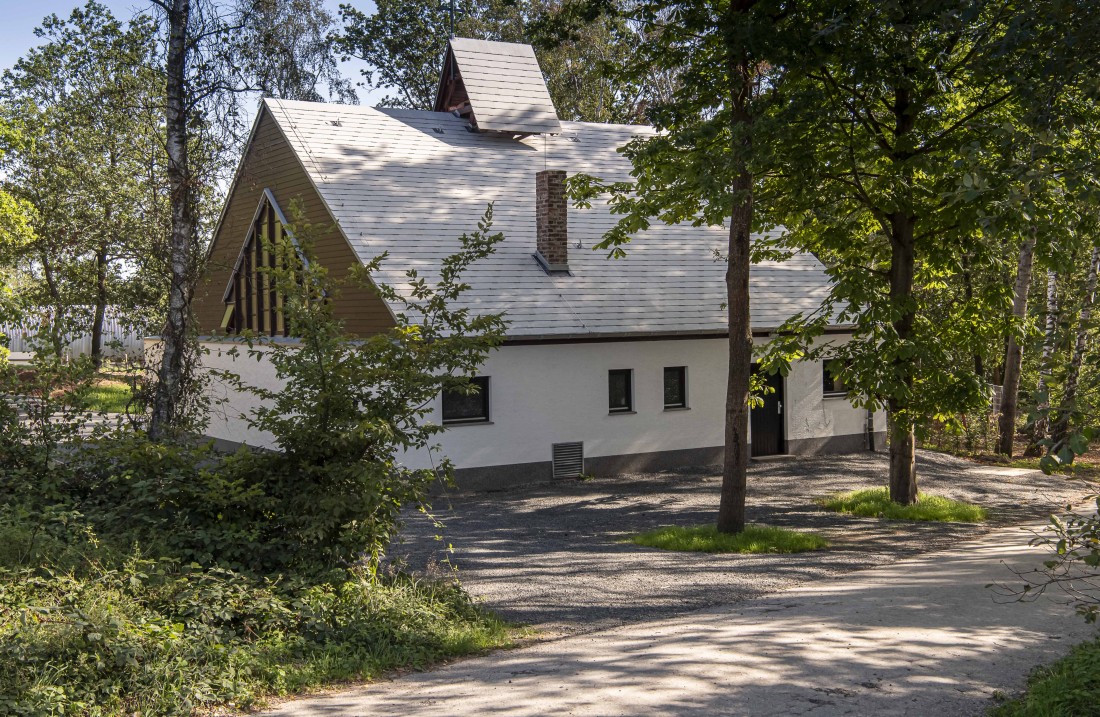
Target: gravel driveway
<point>550,555</point>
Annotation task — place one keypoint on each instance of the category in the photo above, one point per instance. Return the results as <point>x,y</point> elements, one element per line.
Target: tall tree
<point>202,78</point>
<point>1014,354</point>
<point>703,165</point>
<point>1060,430</point>
<point>890,184</point>
<point>87,101</point>
<point>215,56</point>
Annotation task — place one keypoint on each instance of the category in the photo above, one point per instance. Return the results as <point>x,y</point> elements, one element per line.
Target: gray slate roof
<point>506,87</point>
<point>410,182</point>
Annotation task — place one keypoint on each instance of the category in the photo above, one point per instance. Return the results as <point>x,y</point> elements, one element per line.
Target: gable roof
<point>497,86</point>
<point>411,182</point>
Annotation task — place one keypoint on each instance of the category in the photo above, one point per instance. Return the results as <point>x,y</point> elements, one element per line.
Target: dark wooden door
<point>766,422</point>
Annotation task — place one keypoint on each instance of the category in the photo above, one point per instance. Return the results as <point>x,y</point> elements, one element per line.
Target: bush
<point>163,638</point>
<point>348,409</point>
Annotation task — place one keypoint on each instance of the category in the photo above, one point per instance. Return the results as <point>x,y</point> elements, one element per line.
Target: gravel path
<point>550,555</point>
<point>921,637</point>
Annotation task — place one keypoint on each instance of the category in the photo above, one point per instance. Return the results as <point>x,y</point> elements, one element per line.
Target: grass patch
<point>1068,688</point>
<point>109,397</point>
<point>876,503</point>
<point>707,539</point>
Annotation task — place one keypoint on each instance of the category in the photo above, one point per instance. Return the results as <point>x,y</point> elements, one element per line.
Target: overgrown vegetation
<point>707,539</point>
<point>1068,688</point>
<point>109,636</point>
<point>876,503</point>
<point>158,577</point>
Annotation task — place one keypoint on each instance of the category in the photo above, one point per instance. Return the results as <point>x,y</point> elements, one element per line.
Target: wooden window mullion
<point>246,269</point>
<point>261,280</point>
<point>271,252</point>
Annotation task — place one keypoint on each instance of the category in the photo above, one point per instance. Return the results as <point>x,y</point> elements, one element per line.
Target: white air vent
<point>568,460</point>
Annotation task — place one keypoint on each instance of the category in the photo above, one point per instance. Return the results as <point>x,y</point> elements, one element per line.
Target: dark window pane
<point>675,387</point>
<point>467,407</point>
<point>830,384</point>
<point>618,390</point>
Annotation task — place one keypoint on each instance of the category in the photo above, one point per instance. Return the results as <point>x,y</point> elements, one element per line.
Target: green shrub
<point>1068,688</point>
<point>876,503</point>
<point>158,637</point>
<point>348,409</point>
<point>707,539</point>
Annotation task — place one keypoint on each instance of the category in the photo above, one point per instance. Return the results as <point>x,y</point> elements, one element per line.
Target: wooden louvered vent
<point>568,460</point>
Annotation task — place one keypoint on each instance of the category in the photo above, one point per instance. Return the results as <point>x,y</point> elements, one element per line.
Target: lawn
<point>707,539</point>
<point>1068,688</point>
<point>876,503</point>
<point>108,396</point>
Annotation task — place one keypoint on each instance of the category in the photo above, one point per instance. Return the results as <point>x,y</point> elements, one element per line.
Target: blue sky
<point>20,17</point>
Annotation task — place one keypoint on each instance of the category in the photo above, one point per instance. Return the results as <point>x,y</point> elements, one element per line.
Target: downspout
<point>870,430</point>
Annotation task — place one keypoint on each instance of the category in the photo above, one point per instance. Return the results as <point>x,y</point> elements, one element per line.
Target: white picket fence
<point>118,342</point>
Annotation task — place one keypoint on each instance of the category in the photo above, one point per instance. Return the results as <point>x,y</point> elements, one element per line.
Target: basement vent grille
<point>568,460</point>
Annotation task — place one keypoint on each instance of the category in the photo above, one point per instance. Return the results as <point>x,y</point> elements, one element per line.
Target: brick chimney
<point>551,221</point>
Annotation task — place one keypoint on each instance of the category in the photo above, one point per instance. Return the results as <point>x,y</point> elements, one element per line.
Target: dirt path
<point>923,636</point>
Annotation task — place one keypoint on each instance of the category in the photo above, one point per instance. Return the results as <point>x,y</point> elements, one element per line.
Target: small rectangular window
<point>831,384</point>
<point>459,407</point>
<point>620,393</point>
<point>675,387</point>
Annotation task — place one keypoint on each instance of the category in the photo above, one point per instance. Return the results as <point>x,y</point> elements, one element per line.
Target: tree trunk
<point>55,325</point>
<point>1014,355</point>
<point>100,304</point>
<point>903,464</point>
<point>903,471</point>
<point>173,344</point>
<point>1050,335</point>
<point>731,509</point>
<point>968,291</point>
<point>1060,430</point>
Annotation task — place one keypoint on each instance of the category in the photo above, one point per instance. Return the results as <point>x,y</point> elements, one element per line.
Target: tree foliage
<point>404,43</point>
<point>90,162</point>
<point>288,51</point>
<point>894,177</point>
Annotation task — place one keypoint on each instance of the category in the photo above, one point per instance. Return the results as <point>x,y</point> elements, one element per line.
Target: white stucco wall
<point>811,415</point>
<point>551,393</point>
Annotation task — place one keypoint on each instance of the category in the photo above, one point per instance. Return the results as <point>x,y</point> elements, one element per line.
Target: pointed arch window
<point>251,301</point>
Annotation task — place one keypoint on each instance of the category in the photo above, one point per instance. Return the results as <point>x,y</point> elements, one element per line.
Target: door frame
<point>782,423</point>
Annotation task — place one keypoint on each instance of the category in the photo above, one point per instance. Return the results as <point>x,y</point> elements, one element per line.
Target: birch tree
<point>217,55</point>
<point>1068,408</point>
